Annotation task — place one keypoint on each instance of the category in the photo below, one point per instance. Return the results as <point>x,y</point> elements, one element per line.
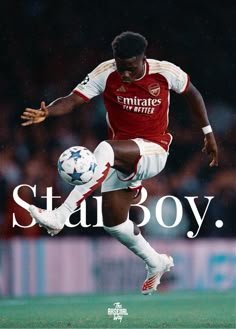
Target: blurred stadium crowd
<point>47,50</point>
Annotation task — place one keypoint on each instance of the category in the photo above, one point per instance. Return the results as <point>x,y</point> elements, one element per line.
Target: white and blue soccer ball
<point>77,165</point>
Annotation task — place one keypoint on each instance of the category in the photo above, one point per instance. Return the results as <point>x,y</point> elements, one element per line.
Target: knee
<point>104,151</point>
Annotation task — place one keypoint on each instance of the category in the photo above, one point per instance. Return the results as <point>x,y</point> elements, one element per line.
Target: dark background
<point>48,47</point>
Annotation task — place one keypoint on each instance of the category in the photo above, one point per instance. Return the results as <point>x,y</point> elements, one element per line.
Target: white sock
<point>105,159</point>
<point>136,243</point>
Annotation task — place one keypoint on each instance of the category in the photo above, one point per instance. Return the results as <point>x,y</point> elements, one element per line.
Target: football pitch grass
<point>163,310</point>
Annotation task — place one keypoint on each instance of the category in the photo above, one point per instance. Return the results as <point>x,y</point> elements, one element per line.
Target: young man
<point>136,93</point>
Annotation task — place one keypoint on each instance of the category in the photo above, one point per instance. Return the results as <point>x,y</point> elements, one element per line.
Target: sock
<point>136,243</point>
<point>105,159</point>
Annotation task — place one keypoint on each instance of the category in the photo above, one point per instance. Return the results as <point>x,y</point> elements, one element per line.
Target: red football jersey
<point>139,109</point>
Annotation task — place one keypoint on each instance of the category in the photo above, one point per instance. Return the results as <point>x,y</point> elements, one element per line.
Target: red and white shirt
<point>139,109</point>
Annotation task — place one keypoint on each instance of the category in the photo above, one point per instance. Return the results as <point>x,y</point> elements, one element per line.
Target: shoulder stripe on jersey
<point>163,65</point>
<point>166,70</point>
<point>158,69</point>
<point>101,69</point>
<point>171,68</point>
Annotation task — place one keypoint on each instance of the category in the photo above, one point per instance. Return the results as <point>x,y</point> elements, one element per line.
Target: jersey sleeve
<point>177,79</point>
<point>95,82</point>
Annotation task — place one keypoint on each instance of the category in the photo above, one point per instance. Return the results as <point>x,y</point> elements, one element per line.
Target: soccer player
<point>136,93</point>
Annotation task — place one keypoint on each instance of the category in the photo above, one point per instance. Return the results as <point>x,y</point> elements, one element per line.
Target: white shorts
<point>151,162</point>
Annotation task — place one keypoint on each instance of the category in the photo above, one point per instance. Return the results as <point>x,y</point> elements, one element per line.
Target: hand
<point>210,147</point>
<point>34,116</point>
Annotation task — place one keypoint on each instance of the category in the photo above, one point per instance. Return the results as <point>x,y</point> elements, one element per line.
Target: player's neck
<point>143,72</point>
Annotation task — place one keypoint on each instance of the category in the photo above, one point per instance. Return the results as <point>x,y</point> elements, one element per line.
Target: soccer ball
<point>77,165</point>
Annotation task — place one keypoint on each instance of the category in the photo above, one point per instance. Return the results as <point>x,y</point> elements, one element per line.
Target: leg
<point>126,154</point>
<point>118,154</point>
<point>115,207</point>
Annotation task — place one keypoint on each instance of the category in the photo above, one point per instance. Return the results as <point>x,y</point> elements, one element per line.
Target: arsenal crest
<point>154,89</point>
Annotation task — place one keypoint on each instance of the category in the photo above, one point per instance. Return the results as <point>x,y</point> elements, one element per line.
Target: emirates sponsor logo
<point>138,101</point>
<point>154,89</point>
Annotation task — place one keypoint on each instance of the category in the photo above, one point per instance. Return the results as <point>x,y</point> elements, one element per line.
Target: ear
<point>144,58</point>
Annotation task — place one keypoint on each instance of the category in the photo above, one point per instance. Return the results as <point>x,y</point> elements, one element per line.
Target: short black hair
<point>129,44</point>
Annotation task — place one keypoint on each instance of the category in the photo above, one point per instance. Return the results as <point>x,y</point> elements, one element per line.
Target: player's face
<point>130,69</point>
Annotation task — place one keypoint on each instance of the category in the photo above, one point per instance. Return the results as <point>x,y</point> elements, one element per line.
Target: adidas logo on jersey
<point>122,88</point>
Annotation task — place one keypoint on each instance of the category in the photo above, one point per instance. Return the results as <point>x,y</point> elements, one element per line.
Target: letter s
<point>23,204</point>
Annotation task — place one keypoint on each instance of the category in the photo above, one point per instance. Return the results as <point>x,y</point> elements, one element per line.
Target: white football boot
<point>52,221</point>
<point>154,275</point>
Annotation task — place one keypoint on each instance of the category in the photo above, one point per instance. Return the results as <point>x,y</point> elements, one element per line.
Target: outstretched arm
<point>58,107</point>
<point>196,102</point>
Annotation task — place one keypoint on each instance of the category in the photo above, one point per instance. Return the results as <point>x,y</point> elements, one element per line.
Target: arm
<point>196,102</point>
<point>58,107</point>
